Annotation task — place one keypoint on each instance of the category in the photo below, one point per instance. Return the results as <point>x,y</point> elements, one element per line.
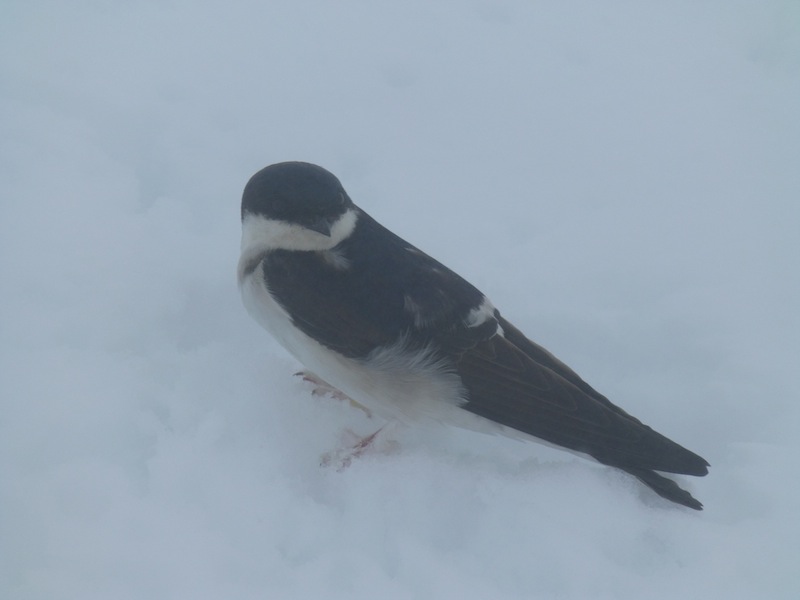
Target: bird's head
<point>296,206</point>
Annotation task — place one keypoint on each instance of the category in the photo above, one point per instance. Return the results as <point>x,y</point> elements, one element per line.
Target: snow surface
<point>623,179</point>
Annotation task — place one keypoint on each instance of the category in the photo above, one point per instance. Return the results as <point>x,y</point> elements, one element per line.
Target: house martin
<point>404,336</point>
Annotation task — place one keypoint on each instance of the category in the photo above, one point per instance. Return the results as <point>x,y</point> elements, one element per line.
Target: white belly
<point>392,382</point>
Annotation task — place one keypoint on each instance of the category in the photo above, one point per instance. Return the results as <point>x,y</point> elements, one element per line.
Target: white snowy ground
<point>622,178</point>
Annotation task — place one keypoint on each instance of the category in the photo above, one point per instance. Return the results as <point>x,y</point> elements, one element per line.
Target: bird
<point>390,327</point>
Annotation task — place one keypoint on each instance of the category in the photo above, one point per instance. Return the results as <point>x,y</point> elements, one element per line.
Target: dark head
<point>297,193</point>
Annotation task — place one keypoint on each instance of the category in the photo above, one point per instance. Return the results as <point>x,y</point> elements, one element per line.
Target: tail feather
<point>664,487</point>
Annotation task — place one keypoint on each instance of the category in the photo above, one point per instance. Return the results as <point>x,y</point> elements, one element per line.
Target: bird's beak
<point>320,225</point>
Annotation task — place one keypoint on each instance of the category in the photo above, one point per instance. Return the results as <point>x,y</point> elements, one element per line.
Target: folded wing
<point>515,382</point>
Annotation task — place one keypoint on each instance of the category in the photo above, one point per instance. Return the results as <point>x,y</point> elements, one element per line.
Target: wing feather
<point>507,385</point>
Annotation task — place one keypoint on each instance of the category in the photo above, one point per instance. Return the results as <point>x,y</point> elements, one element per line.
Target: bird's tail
<point>666,488</point>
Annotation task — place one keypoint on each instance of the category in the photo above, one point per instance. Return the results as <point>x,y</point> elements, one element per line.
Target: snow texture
<point>621,178</point>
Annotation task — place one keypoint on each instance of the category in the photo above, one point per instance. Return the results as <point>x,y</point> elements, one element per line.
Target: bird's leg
<point>323,388</point>
<point>356,445</point>
<point>343,457</point>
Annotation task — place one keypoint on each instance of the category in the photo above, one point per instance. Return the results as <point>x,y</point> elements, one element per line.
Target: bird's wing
<point>372,290</point>
<point>328,305</point>
<point>516,383</point>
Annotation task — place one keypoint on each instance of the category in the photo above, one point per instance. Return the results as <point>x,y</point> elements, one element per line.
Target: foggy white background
<point>622,179</point>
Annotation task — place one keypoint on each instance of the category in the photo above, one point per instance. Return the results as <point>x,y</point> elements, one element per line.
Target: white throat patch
<point>259,232</point>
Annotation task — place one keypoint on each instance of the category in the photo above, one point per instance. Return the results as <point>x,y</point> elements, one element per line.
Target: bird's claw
<point>323,388</point>
<point>342,458</point>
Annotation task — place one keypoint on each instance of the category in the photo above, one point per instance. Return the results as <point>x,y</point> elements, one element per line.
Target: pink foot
<point>323,388</point>
<point>342,458</point>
